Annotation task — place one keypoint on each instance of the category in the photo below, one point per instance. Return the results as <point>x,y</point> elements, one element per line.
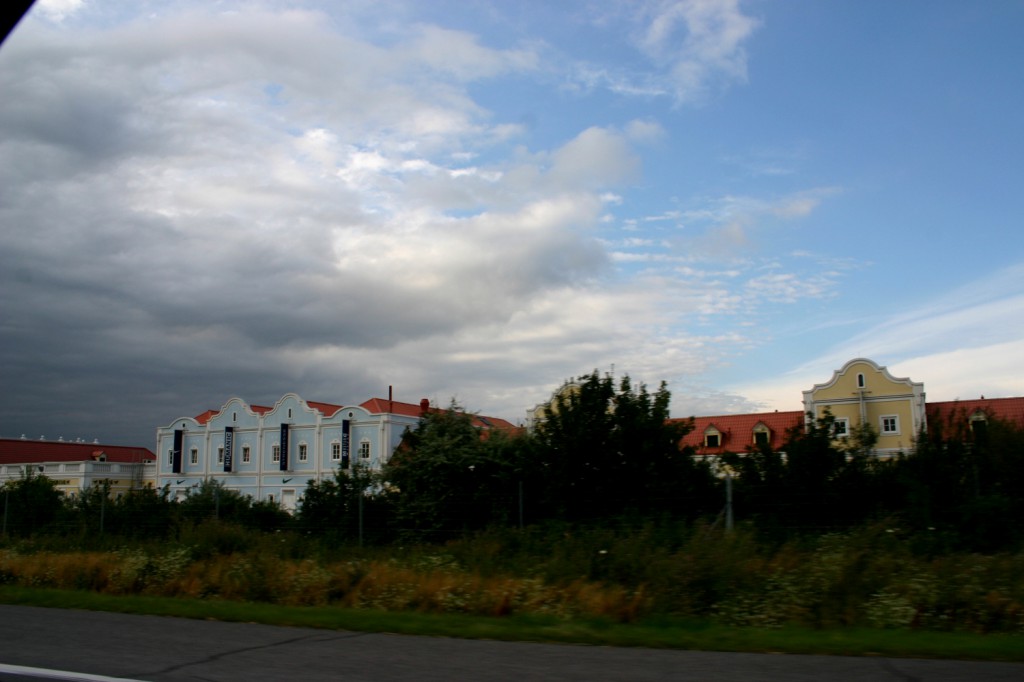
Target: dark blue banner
<point>344,443</point>
<point>176,451</point>
<point>229,446</point>
<point>284,447</point>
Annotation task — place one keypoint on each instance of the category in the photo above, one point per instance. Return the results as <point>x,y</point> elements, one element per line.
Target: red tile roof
<point>207,416</point>
<point>385,406</point>
<point>1008,409</point>
<point>16,451</point>
<point>737,430</point>
<point>210,414</point>
<point>326,409</point>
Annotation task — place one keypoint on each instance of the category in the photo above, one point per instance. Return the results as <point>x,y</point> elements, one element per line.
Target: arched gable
<point>237,414</point>
<point>290,409</point>
<point>863,392</point>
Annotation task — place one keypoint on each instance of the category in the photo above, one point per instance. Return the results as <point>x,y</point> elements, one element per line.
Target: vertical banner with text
<point>179,436</point>
<point>284,447</point>
<point>229,447</point>
<point>344,443</point>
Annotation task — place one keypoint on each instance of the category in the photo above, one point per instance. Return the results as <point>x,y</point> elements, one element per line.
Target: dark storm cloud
<point>191,213</point>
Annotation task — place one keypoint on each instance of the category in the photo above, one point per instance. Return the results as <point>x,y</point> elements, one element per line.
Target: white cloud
<point>699,41</point>
<point>58,10</point>
<point>965,343</point>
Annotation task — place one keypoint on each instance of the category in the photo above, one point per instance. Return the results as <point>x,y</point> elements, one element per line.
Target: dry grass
<point>868,578</point>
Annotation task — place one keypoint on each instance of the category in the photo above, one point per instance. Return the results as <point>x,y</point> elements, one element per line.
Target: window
<point>890,425</point>
<point>761,437</point>
<point>275,453</point>
<point>712,440</point>
<point>303,452</point>
<point>860,381</point>
<point>246,454</point>
<point>979,427</point>
<point>193,456</point>
<point>234,416</point>
<point>220,455</point>
<point>364,449</point>
<point>841,427</point>
<point>335,452</point>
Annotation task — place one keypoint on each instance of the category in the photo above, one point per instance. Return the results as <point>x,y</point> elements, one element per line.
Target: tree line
<point>604,453</point>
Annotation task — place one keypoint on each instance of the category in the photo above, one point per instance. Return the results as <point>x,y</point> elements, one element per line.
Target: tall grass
<point>871,577</point>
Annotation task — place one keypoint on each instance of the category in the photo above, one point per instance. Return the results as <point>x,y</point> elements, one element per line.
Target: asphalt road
<point>155,649</point>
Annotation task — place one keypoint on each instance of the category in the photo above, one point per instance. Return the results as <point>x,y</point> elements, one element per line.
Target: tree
<point>967,479</point>
<point>212,500</point>
<point>613,450</point>
<point>31,504</point>
<point>450,477</point>
<point>144,512</point>
<point>345,506</point>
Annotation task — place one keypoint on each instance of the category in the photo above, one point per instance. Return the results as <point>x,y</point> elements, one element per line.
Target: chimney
<point>424,406</point>
<point>391,400</point>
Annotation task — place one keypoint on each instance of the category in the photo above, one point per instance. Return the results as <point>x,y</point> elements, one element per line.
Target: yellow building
<point>75,466</point>
<point>863,392</point>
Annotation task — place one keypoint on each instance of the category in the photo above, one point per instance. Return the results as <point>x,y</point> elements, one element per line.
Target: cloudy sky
<point>481,199</point>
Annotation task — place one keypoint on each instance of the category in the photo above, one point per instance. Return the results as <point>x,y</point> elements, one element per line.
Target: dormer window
<point>979,424</point>
<point>712,437</point>
<point>762,435</point>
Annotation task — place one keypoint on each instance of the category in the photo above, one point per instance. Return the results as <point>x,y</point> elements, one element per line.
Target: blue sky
<point>480,200</point>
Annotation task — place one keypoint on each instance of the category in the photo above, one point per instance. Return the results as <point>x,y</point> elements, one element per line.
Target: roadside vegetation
<point>595,523</point>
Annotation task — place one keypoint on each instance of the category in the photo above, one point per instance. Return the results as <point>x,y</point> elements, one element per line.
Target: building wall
<point>371,439</point>
<point>72,478</point>
<point>862,392</point>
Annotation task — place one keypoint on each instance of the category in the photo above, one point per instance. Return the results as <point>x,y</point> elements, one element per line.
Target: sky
<point>478,200</point>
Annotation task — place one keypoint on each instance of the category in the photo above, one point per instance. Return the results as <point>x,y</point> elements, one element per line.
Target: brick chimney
<point>424,406</point>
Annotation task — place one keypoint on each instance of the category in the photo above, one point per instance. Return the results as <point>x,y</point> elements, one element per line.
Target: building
<point>75,466</point>
<point>271,453</point>
<point>861,392</point>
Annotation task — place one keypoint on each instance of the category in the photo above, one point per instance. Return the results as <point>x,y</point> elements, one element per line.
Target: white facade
<point>272,453</point>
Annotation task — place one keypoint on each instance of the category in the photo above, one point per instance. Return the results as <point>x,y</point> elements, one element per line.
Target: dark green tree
<point>612,450</point>
<point>143,512</point>
<point>345,508</point>
<point>450,477</point>
<point>966,479</point>
<point>31,504</point>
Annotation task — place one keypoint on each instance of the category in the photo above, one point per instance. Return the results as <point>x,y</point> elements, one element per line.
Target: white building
<point>271,453</point>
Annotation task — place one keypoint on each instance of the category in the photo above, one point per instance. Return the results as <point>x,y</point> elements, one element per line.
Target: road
<point>155,648</point>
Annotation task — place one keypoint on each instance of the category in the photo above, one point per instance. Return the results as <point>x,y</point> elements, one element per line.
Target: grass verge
<point>662,633</point>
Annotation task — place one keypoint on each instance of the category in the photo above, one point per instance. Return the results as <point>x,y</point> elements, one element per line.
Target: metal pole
<point>520,504</point>
<point>360,518</point>
<point>728,502</point>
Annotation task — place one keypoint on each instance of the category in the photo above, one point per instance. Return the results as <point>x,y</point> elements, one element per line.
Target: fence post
<point>728,502</point>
